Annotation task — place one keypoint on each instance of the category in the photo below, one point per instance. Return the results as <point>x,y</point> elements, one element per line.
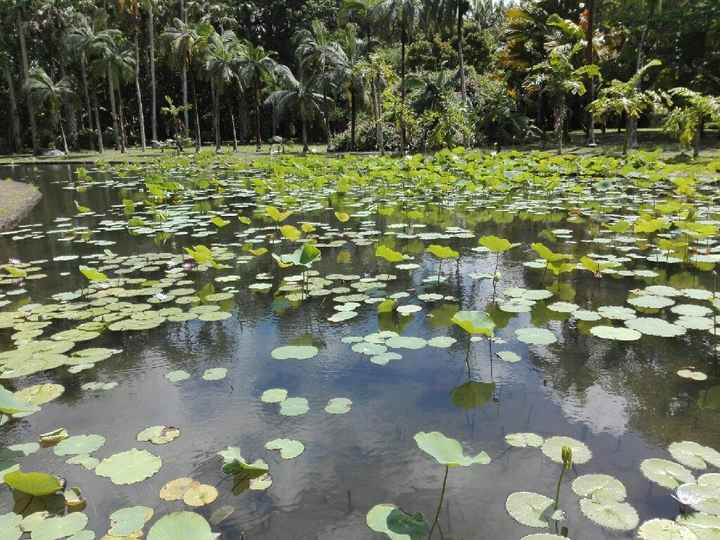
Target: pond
<point>208,337</point>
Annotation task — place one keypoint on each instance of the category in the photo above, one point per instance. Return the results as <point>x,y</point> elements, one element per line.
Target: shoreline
<point>17,199</point>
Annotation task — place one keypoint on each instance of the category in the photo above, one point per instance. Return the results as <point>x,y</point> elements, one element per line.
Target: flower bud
<point>567,457</point>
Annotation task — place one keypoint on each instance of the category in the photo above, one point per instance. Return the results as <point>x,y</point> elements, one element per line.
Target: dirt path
<point>16,200</point>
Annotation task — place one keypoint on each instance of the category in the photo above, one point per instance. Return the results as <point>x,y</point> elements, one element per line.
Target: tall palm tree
<point>6,66</point>
<point>45,92</point>
<point>150,6</point>
<point>186,42</point>
<point>117,61</point>
<point>352,74</point>
<point>20,22</point>
<point>399,16</point>
<point>256,69</point>
<point>320,54</point>
<point>223,53</point>
<point>80,41</point>
<point>299,95</point>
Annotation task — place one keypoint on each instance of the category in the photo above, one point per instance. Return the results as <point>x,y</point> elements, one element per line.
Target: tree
<point>256,69</point>
<point>45,92</point>
<point>223,53</point>
<point>399,15</point>
<point>19,11</point>
<point>557,77</point>
<point>298,95</point>
<point>174,113</point>
<point>7,68</point>
<point>186,42</point>
<point>685,120</point>
<point>353,78</point>
<point>380,74</point>
<point>320,55</point>
<point>117,61</point>
<point>627,98</point>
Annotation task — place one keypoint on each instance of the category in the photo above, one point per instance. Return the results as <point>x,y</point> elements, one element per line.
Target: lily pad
<point>289,448</point>
<point>158,434</point>
<point>523,440</point>
<point>601,487</point>
<point>664,529</point>
<point>294,406</point>
<point>274,395</point>
<point>338,406</point>
<point>59,527</point>
<point>528,508</point>
<point>129,467</point>
<point>694,455</point>
<point>667,474</point>
<point>535,336</point>
<point>447,451</point>
<point>200,495</point>
<point>214,374</point>
<point>615,333</point>
<point>610,514</point>
<point>79,444</point>
<point>177,376</point>
<point>128,521</point>
<point>181,526</point>
<point>295,352</point>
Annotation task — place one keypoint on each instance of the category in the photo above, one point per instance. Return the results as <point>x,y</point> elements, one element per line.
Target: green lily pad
<point>214,374</point>
<point>609,514</point>
<point>615,333</point>
<point>667,474</point>
<point>528,508</point>
<point>294,406</point>
<point>552,448</point>
<point>289,448</point>
<point>447,451</point>
<point>295,352</point>
<point>36,484</point>
<point>664,529</point>
<point>535,336</point>
<point>274,395</point>
<point>158,434</point>
<point>177,376</point>
<point>377,520</point>
<point>338,406</point>
<point>10,526</point>
<point>79,444</point>
<point>406,342</point>
<point>128,521</point>
<point>11,404</point>
<point>474,322</point>
<point>601,487</point>
<point>523,440</point>
<point>694,455</point>
<point>59,527</point>
<point>181,526</point>
<point>129,467</point>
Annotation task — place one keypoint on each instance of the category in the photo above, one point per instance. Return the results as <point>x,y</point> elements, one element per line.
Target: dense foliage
<point>382,75</point>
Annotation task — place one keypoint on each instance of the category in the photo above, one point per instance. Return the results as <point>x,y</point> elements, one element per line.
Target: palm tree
<point>380,74</point>
<point>627,98</point>
<point>557,77</point>
<point>150,6</point>
<point>7,68</point>
<point>80,41</point>
<point>45,92</point>
<point>319,54</point>
<point>19,11</point>
<point>256,69</point>
<point>399,15</point>
<point>186,42</point>
<point>223,53</point>
<point>687,118</point>
<point>299,95</point>
<point>118,63</point>
<point>349,67</point>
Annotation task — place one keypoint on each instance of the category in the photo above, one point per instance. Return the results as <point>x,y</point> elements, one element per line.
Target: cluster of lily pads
<point>230,229</point>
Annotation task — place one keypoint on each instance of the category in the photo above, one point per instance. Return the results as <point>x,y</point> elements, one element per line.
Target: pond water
<point>622,399</point>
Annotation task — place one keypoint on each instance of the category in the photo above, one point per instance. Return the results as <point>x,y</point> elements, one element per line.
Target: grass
<point>608,144</point>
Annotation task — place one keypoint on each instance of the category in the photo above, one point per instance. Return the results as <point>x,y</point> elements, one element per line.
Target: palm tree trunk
<point>121,114</point>
<point>377,109</point>
<point>153,82</point>
<point>101,148</point>
<point>26,70</point>
<point>353,119</point>
<point>403,133</point>
<point>589,59</point>
<point>628,136</point>
<point>235,142</point>
<point>461,56</point>
<point>86,92</point>
<point>62,133</point>
<point>696,140</point>
<point>303,121</point>
<point>216,114</point>
<point>257,118</point>
<point>198,134</point>
<point>113,112</point>
<point>560,122</point>
<point>138,92</point>
<point>14,113</point>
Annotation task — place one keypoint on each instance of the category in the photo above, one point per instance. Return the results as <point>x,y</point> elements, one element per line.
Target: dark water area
<point>623,400</point>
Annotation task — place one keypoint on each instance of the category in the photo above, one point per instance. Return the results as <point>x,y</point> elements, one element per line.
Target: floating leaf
<point>36,484</point>
<point>529,508</point>
<point>694,455</point>
<point>377,519</point>
<point>79,444</point>
<point>413,525</point>
<point>338,406</point>
<point>664,529</point>
<point>214,374</point>
<point>200,495</point>
<point>471,394</point>
<point>274,395</point>
<point>59,527</point>
<point>289,448</point>
<point>615,333</point>
<point>600,487</point>
<point>447,451</point>
<point>535,336</point>
<point>181,526</point>
<point>294,406</point>
<point>474,322</point>
<point>295,352</point>
<point>552,448</point>
<point>667,474</point>
<point>174,490</point>
<point>522,440</point>
<point>128,521</point>
<point>11,404</point>
<point>129,467</point>
<point>158,434</point>
<point>610,514</point>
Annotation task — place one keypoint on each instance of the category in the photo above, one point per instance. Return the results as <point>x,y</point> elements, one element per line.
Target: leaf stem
<point>439,508</point>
